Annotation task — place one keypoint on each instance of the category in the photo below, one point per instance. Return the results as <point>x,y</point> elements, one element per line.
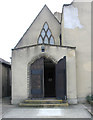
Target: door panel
<point>37,70</point>
<point>61,79</point>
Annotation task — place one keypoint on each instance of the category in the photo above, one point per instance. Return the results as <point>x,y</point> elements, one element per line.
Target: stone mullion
<point>41,35</point>
<point>50,37</point>
<point>47,35</point>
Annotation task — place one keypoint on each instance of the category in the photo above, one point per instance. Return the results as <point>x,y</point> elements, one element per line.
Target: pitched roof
<point>45,6</point>
<point>4,62</point>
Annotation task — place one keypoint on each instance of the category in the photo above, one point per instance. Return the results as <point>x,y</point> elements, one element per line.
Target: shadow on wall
<point>5,78</point>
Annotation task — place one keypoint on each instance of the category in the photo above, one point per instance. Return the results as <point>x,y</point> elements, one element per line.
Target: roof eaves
<point>43,44</point>
<point>4,62</point>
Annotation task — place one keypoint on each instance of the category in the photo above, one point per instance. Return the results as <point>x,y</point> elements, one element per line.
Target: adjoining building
<point>53,58</point>
<point>5,78</point>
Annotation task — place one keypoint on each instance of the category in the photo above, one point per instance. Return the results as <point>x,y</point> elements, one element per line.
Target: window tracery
<point>46,35</point>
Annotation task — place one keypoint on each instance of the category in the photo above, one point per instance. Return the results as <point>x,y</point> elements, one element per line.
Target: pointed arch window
<point>40,41</point>
<point>46,35</point>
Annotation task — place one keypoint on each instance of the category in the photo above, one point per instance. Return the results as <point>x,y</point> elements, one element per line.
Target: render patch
<point>71,19</point>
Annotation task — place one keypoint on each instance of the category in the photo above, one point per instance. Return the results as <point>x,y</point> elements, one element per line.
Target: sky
<point>15,18</point>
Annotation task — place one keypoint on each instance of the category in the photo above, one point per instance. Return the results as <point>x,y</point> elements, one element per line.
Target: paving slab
<point>47,113</point>
<point>73,111</point>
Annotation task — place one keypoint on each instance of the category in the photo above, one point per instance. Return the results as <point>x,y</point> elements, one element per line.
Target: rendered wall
<point>22,58</point>
<point>76,31</point>
<point>5,77</point>
<point>4,80</point>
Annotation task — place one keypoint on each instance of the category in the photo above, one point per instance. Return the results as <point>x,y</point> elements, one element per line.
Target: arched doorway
<point>48,79</point>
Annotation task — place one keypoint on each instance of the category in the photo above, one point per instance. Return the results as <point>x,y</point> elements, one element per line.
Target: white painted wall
<point>22,57</point>
<point>76,31</point>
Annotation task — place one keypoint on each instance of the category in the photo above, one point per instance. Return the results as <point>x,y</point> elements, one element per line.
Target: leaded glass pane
<point>45,26</point>
<point>43,33</point>
<point>48,33</point>
<point>46,40</point>
<point>51,41</point>
<point>40,41</point>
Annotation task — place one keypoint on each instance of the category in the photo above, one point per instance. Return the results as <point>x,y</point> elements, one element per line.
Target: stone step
<point>43,101</point>
<point>43,105</point>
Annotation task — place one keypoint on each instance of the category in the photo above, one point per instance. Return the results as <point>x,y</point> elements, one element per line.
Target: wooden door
<point>37,70</point>
<point>61,79</point>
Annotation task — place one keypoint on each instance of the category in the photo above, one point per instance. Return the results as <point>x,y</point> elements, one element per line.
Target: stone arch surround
<point>29,65</point>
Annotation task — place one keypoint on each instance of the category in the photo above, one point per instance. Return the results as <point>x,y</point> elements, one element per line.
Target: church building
<point>53,58</point>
